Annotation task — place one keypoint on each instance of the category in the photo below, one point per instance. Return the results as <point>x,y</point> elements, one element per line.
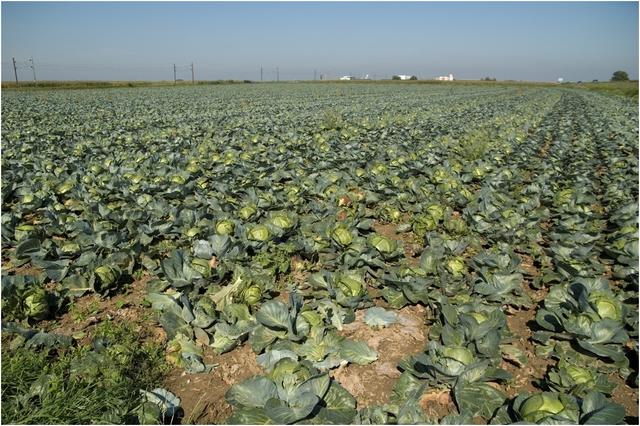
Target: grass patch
<point>96,383</point>
<point>620,88</point>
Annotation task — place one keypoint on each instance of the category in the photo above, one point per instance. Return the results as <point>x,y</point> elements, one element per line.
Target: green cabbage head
<point>456,266</point>
<point>36,305</point>
<point>607,306</point>
<point>579,375</point>
<point>282,221</point>
<point>539,406</point>
<point>351,284</point>
<point>251,295</point>
<point>225,227</point>
<point>342,235</point>
<point>462,355</point>
<point>247,212</point>
<point>383,244</point>
<point>107,276</point>
<point>259,233</point>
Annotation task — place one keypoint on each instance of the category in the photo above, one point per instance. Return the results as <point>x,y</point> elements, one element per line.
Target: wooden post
<point>33,68</point>
<point>15,71</point>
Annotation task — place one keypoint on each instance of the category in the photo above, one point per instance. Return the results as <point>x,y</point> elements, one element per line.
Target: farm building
<point>404,77</point>
<point>445,78</point>
<point>347,77</point>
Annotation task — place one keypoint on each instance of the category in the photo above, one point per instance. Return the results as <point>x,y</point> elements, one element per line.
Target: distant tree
<point>620,76</point>
<point>488,79</point>
<point>395,77</point>
<point>413,77</point>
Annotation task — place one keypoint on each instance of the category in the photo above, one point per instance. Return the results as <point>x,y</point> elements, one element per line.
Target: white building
<point>404,77</point>
<point>445,78</point>
<point>347,77</point>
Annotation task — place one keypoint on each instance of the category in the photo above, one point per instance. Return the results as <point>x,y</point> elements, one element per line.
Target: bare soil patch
<point>202,395</point>
<point>536,367</point>
<point>90,310</point>
<point>527,265</point>
<point>437,403</point>
<point>372,384</point>
<point>626,396</point>
<point>26,269</point>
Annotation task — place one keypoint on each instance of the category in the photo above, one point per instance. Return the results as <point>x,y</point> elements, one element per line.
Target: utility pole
<point>277,73</point>
<point>174,73</point>
<point>314,75</point>
<point>33,68</point>
<point>261,73</point>
<point>193,76</point>
<point>15,71</point>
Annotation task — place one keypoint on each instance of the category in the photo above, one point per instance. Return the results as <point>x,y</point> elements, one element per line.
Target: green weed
<point>97,383</point>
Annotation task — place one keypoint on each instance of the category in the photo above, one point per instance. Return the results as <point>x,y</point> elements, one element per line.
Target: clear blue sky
<point>141,41</point>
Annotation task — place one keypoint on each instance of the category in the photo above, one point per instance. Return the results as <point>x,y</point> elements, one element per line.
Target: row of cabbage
<point>224,205</point>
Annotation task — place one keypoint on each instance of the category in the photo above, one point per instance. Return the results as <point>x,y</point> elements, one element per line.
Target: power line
<point>189,67</point>
<point>23,65</point>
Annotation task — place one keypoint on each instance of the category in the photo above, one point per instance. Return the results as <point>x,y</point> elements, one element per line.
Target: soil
<point>625,396</point>
<point>527,266</point>
<point>437,403</point>
<point>26,269</point>
<point>520,322</point>
<point>202,395</point>
<point>524,377</point>
<point>372,384</point>
<point>90,310</point>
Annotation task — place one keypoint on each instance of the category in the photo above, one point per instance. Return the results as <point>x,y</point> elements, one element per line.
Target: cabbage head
<point>225,227</point>
<point>456,266</point>
<point>342,235</point>
<point>606,305</point>
<point>383,244</point>
<point>351,284</point>
<point>282,221</point>
<point>259,233</point>
<point>548,406</point>
<point>36,305</point>
<point>107,276</point>
<point>247,212</point>
<point>251,295</point>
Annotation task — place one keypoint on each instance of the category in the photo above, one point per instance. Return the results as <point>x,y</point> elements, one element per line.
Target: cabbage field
<point>320,254</point>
